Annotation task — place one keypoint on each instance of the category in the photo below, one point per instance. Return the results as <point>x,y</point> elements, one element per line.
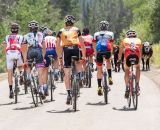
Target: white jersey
<point>34,39</point>
<point>13,42</point>
<point>50,42</point>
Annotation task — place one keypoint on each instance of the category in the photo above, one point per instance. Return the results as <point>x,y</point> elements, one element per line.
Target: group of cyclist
<point>68,42</point>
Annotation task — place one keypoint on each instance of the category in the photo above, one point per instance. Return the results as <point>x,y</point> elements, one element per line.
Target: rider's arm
<point>121,47</point>
<point>44,49</point>
<point>94,47</point>
<point>81,40</point>
<point>58,46</point>
<point>24,48</point>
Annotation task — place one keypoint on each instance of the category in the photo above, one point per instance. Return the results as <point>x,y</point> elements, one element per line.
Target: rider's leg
<point>137,73</point>
<point>109,71</point>
<point>10,73</point>
<point>126,78</point>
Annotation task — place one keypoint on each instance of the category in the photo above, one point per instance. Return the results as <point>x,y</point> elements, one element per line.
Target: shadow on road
<point>123,109</point>
<point>63,93</point>
<point>24,108</point>
<point>5,104</point>
<point>64,111</point>
<point>97,104</point>
<point>48,101</point>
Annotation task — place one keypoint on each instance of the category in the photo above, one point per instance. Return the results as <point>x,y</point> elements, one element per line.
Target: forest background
<point>140,15</point>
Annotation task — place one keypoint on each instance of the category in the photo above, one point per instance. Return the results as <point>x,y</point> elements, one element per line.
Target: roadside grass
<point>156,55</point>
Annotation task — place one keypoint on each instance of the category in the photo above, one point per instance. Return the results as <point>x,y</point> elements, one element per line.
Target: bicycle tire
<point>105,87</point>
<point>33,93</point>
<point>89,76</point>
<point>130,92</point>
<point>51,84</point>
<point>37,88</point>
<point>74,94</point>
<point>16,89</point>
<point>134,93</point>
<point>61,75</point>
<point>25,82</point>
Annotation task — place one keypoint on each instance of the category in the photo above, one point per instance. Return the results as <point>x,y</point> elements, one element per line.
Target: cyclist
<point>50,43</point>
<point>103,46</point>
<point>12,45</point>
<point>44,29</point>
<point>88,44</point>
<point>132,47</point>
<point>70,36</point>
<point>36,49</point>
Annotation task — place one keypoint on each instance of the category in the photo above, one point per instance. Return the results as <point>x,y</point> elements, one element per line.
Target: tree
<point>155,22</point>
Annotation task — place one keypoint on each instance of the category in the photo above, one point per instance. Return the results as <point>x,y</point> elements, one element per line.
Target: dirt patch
<point>153,74</point>
<point>3,76</point>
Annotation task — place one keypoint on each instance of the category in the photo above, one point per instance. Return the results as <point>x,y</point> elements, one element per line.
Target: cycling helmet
<point>131,33</point>
<point>85,31</point>
<point>33,24</point>
<point>104,25</point>
<point>14,27</point>
<point>69,19</point>
<point>43,28</point>
<point>49,32</point>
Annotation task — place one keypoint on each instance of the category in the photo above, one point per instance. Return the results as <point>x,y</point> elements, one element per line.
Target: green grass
<point>156,55</point>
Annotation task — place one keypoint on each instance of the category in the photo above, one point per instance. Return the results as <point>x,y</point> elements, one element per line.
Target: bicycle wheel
<point>74,94</point>
<point>34,92</point>
<point>52,87</point>
<point>105,87</point>
<point>16,89</point>
<point>134,93</point>
<point>89,76</point>
<point>61,75</point>
<point>130,92</point>
<point>25,82</point>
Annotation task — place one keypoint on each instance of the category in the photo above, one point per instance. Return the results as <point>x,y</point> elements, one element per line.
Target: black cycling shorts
<point>68,52</point>
<point>132,56</point>
<point>100,55</point>
<point>35,53</point>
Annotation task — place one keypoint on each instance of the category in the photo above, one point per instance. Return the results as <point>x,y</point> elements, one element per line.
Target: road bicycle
<point>33,82</point>
<point>133,87</point>
<point>16,76</point>
<point>75,77</point>
<point>105,86</point>
<point>88,73</point>
<point>51,73</point>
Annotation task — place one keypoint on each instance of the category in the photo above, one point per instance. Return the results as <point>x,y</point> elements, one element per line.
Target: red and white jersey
<point>50,42</point>
<point>88,41</point>
<point>13,42</point>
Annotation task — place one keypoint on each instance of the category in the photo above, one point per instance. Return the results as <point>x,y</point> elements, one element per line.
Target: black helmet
<point>131,33</point>
<point>103,25</point>
<point>33,24</point>
<point>49,32</point>
<point>43,28</point>
<point>85,31</point>
<point>69,19</point>
<point>14,27</point>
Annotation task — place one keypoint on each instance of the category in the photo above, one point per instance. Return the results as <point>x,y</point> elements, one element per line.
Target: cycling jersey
<point>13,42</point>
<point>88,39</point>
<point>131,46</point>
<point>34,39</point>
<point>132,49</point>
<point>69,36</point>
<point>104,40</point>
<point>13,49</point>
<point>50,42</point>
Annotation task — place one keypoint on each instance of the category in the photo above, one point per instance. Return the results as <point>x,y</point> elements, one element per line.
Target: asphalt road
<point>92,114</point>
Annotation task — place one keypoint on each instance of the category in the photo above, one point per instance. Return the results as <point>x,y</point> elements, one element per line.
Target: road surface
<point>92,114</point>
